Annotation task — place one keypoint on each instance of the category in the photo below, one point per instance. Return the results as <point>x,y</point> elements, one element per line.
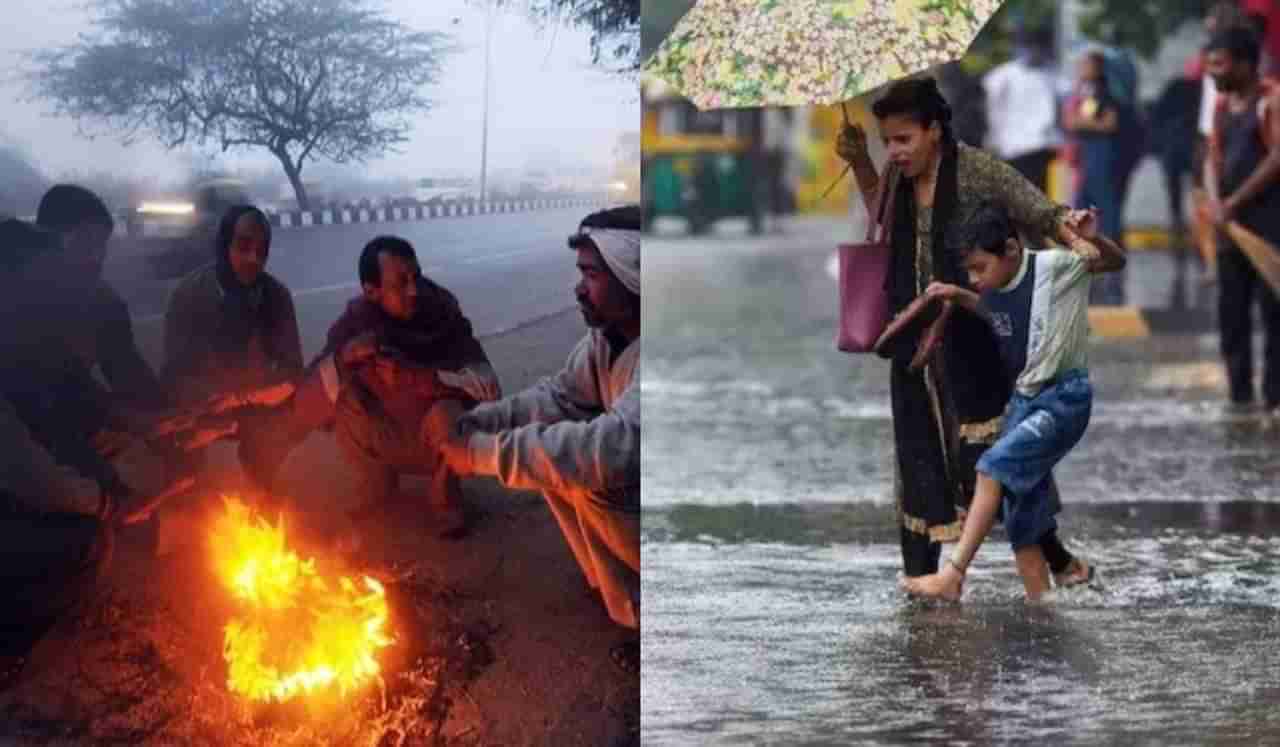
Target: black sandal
<point>1071,582</point>
<point>626,656</point>
<point>11,670</point>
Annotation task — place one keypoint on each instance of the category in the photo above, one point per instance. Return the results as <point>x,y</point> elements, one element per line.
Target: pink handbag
<point>864,270</point>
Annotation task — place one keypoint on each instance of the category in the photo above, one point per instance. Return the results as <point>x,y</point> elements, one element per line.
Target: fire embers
<point>298,630</point>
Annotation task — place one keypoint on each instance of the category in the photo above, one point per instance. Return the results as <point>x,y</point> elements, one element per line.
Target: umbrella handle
<point>847,169</point>
<point>844,109</point>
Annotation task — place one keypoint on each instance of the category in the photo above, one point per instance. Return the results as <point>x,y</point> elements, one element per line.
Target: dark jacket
<point>438,335</point>
<point>195,368</point>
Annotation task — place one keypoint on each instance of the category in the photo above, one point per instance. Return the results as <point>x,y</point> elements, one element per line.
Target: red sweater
<point>438,337</point>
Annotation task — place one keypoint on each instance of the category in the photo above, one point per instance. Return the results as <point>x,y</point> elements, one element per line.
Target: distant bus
<point>445,190</point>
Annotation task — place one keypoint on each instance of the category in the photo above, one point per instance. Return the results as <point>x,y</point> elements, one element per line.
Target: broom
<point>1262,253</point>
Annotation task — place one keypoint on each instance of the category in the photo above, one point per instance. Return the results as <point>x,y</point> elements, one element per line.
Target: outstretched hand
<point>441,429</point>
<point>135,509</point>
<point>267,396</point>
<point>207,431</point>
<point>360,349</point>
<point>479,381</point>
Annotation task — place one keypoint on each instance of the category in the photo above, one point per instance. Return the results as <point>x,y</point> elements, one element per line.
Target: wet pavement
<point>771,612</point>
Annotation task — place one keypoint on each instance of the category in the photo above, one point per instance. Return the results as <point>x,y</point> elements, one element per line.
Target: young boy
<point>1038,304</point>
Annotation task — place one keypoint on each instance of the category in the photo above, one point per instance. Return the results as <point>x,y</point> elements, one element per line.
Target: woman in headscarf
<point>231,333</point>
<point>1093,117</point>
<point>946,414</point>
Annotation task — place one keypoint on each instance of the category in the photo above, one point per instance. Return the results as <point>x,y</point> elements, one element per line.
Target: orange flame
<point>299,632</point>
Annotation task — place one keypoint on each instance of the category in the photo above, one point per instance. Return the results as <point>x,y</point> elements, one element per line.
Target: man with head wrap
<point>576,436</point>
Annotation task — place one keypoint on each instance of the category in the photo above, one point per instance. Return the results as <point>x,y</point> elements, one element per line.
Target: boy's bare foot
<point>1078,573</point>
<point>947,584</point>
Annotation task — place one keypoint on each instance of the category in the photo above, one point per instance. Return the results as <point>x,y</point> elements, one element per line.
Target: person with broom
<point>1243,176</point>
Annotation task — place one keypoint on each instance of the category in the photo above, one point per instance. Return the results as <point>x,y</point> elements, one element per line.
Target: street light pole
<point>484,135</point>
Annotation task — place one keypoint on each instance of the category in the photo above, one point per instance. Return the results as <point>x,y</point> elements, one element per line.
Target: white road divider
<point>325,217</point>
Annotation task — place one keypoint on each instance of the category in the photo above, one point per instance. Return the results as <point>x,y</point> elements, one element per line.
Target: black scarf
<point>902,275</point>
<point>979,387</point>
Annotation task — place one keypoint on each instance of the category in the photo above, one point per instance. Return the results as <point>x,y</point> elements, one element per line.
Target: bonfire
<point>300,629</point>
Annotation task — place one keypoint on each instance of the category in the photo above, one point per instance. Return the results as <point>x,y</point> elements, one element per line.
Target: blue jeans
<point>1038,432</point>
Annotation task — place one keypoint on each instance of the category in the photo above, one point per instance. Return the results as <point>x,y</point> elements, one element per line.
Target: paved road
<point>771,549</point>
<point>506,270</point>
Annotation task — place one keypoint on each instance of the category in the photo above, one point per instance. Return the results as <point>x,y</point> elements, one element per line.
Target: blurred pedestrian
<point>1243,176</point>
<point>1092,116</point>
<point>969,120</point>
<point>1221,16</point>
<point>1173,117</point>
<point>1122,77</point>
<point>1022,109</point>
<point>1265,18</point>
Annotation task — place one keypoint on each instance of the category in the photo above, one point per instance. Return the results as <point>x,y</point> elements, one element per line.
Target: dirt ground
<point>498,641</point>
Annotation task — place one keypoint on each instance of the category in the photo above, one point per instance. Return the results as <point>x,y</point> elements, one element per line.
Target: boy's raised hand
<point>1082,232</point>
<point>942,291</point>
<point>1084,223</point>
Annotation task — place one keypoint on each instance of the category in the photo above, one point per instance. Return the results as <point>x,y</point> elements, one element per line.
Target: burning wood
<point>299,631</point>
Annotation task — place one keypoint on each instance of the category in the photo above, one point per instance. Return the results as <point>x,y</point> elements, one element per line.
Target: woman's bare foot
<point>947,584</point>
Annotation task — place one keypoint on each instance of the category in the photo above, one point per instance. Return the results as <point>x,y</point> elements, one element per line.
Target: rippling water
<point>770,562</point>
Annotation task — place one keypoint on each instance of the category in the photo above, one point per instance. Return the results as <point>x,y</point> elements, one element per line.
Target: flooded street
<point>770,557</point>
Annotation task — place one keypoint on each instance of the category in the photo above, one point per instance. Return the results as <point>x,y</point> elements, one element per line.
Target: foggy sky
<point>546,99</point>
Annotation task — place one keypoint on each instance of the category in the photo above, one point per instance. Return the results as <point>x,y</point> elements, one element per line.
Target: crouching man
<point>576,436</point>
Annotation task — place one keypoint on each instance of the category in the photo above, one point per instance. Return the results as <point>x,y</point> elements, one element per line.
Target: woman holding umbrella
<point>947,413</point>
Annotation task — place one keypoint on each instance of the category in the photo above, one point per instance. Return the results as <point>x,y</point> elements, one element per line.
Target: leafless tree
<point>299,78</point>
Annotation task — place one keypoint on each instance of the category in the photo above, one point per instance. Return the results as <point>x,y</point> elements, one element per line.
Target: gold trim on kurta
<point>984,432</point>
<point>939,533</point>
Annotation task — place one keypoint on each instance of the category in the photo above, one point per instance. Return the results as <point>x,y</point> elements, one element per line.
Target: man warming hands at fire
<point>576,436</point>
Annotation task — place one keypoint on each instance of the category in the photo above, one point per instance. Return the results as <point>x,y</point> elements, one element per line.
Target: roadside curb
<point>346,215</point>
<point>1129,322</point>
<point>1156,239</point>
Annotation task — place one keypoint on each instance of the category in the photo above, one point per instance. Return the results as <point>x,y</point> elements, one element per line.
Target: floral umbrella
<point>749,53</point>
